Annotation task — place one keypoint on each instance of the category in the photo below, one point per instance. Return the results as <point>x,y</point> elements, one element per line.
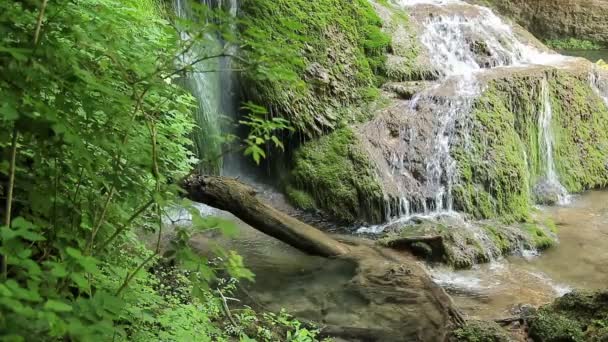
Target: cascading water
<point>463,42</point>
<point>546,142</point>
<point>212,83</point>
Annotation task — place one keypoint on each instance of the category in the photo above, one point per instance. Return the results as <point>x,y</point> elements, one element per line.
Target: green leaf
<point>74,253</point>
<point>8,112</point>
<point>57,306</point>
<point>80,280</point>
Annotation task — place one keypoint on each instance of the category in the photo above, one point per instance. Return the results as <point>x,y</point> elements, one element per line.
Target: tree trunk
<point>239,199</point>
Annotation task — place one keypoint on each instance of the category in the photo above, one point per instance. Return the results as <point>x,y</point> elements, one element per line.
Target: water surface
<point>579,261</point>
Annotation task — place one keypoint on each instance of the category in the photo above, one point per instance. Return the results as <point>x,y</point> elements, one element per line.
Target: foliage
<point>94,138</point>
<point>262,130</point>
<point>602,64</point>
<point>572,44</point>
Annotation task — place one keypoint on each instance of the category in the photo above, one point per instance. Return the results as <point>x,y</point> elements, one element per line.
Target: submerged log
<point>239,199</point>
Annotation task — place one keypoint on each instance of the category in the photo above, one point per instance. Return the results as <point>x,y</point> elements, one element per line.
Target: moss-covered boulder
<point>333,174</point>
<point>577,316</point>
<point>501,159</point>
<point>463,244</point>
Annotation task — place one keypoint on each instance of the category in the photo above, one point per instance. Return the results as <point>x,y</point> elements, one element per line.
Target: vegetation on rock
<point>464,245</point>
<point>577,316</point>
<point>338,176</point>
<point>501,160</point>
<point>337,48</point>
<point>572,44</point>
<point>481,331</point>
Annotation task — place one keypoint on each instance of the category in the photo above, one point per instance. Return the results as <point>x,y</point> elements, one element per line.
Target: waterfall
<point>545,143</point>
<point>212,83</point>
<point>598,83</point>
<point>463,42</point>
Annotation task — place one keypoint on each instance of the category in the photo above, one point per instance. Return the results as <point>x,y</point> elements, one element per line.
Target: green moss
<point>341,40</point>
<point>300,199</point>
<point>580,123</point>
<point>403,64</point>
<point>551,327</point>
<point>339,176</point>
<point>538,237</point>
<point>572,44</point>
<point>494,176</point>
<point>550,224</point>
<point>499,238</point>
<point>501,159</point>
<point>481,331</point>
<point>577,316</point>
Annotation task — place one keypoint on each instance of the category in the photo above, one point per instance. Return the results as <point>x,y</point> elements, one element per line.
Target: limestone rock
<point>555,19</point>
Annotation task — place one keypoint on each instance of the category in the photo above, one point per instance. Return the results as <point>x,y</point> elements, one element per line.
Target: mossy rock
<point>329,54</point>
<point>500,159</point>
<point>457,245</point>
<point>552,327</point>
<point>334,175</point>
<point>577,316</point>
<point>481,331</point>
<point>463,245</point>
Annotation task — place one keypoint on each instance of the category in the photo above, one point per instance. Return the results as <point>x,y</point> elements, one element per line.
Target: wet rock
<point>450,239</point>
<point>547,193</point>
<point>438,241</point>
<point>318,73</point>
<point>406,90</point>
<point>422,249</point>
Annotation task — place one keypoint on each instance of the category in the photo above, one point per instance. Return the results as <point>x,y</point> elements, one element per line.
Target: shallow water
<point>579,261</point>
<point>317,288</point>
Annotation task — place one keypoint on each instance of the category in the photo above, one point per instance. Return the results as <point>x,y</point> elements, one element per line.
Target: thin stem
<point>155,170</point>
<point>106,205</point>
<point>39,21</point>
<point>9,198</point>
<point>100,220</point>
<point>126,224</point>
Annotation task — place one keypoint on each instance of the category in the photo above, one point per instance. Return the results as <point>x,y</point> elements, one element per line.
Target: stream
<point>580,261</point>
<point>316,288</point>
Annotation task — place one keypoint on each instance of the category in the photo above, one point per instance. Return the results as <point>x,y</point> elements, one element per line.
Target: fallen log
<point>239,199</point>
<point>386,282</point>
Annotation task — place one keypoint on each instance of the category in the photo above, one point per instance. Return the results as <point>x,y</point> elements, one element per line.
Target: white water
<point>599,84</point>
<point>462,45</point>
<point>212,83</point>
<point>546,142</point>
